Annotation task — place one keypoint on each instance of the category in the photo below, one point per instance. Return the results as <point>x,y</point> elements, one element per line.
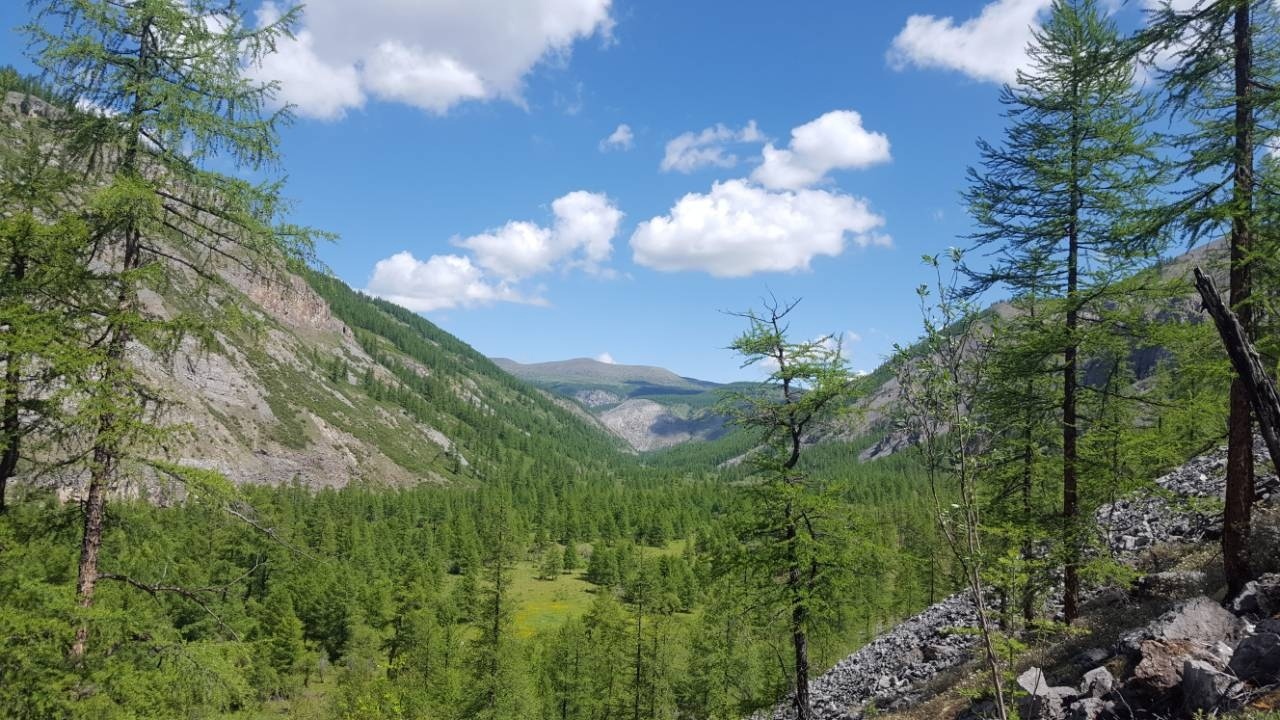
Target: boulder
<point>1203,686</point>
<point>1090,708</point>
<point>1042,701</point>
<point>1260,598</point>
<point>1199,621</point>
<point>1160,670</point>
<point>1097,683</point>
<point>1257,659</point>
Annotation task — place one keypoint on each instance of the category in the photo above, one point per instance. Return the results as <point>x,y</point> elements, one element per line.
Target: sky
<point>549,179</point>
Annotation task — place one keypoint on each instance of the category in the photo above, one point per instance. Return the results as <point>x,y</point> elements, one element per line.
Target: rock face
<point>648,425</point>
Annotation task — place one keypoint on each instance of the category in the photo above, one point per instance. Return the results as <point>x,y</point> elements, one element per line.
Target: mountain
<point>651,408</point>
<point>326,386</point>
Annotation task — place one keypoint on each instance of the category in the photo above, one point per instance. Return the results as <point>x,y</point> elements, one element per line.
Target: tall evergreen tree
<point>497,683</point>
<point>792,527</point>
<point>1055,204</point>
<point>1218,63</point>
<point>171,104</point>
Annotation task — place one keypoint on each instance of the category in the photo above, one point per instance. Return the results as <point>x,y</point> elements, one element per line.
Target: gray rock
<point>1257,659</point>
<point>1090,708</point>
<point>1043,702</point>
<point>1097,683</point>
<point>1203,686</point>
<point>1260,598</point>
<point>1199,620</point>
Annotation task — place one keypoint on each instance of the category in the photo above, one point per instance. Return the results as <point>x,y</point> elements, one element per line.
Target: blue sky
<point>464,146</point>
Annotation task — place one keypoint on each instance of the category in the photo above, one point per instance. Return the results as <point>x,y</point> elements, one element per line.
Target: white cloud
<point>581,236</point>
<point>315,87</point>
<point>619,139</point>
<point>690,151</point>
<point>438,283</point>
<point>605,358</point>
<point>834,141</point>
<point>588,222</point>
<point>739,229</point>
<point>431,54</point>
<point>513,251</point>
<point>990,47</point>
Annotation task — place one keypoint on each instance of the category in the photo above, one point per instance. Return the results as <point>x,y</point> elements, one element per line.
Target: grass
<point>543,605</point>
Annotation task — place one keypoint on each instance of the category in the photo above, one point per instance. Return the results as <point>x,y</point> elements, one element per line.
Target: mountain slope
<point>650,408</point>
<point>326,386</point>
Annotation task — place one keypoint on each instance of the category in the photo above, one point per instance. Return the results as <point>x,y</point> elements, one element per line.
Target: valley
<point>253,468</point>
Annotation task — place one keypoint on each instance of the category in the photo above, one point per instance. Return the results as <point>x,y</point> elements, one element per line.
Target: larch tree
<point>1055,205</point>
<point>1218,67</point>
<point>171,108</point>
<point>794,538</point>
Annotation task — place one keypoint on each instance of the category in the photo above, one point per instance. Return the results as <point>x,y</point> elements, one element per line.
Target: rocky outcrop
<point>647,425</point>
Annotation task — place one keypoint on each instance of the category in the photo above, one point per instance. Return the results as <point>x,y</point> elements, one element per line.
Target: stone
<point>1090,708</point>
<point>1160,669</point>
<point>1203,686</point>
<point>1090,658</point>
<point>1042,701</point>
<point>1259,598</point>
<point>1257,659</point>
<point>1097,683</point>
<point>1199,620</point>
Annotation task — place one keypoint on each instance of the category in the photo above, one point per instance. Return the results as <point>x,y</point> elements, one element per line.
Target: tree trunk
<point>800,642</point>
<point>1070,429</point>
<point>1239,491</point>
<point>1263,397</point>
<point>106,450</point>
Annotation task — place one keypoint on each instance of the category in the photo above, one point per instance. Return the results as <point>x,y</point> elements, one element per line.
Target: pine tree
<point>1055,202</point>
<point>1218,63</point>
<point>789,529</point>
<point>165,77</point>
<point>570,561</point>
<point>497,683</point>
<point>281,639</point>
<point>549,568</point>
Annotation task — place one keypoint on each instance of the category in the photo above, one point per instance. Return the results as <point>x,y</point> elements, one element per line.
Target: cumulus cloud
<point>990,47</point>
<point>605,358</point>
<point>586,222</point>
<point>708,148</point>
<point>513,251</point>
<point>317,88</point>
<point>438,283</point>
<point>619,139</point>
<point>581,236</point>
<point>739,229</point>
<point>430,54</point>
<point>835,141</point>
